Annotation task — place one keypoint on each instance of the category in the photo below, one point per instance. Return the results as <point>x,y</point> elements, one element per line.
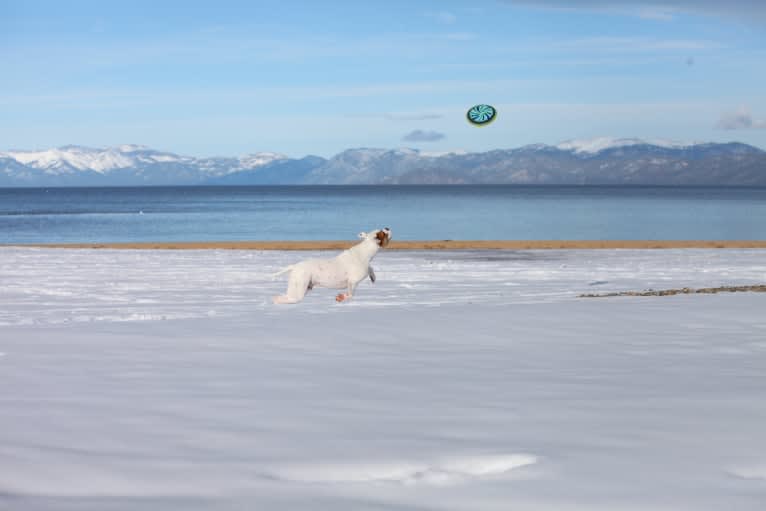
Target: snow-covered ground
<point>460,380</point>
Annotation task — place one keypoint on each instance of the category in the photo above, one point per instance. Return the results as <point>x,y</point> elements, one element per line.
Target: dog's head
<point>379,236</point>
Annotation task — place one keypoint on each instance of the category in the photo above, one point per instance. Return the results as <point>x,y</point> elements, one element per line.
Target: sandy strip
<point>755,288</point>
<point>421,245</point>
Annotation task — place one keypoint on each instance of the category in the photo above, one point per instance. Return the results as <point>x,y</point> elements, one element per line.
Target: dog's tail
<point>280,272</point>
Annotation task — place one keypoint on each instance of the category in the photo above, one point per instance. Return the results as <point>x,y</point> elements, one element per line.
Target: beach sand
<point>421,245</point>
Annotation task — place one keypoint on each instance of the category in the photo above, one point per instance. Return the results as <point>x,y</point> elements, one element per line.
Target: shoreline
<point>410,245</point>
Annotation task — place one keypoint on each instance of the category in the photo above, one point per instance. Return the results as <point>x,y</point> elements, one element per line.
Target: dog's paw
<point>341,297</point>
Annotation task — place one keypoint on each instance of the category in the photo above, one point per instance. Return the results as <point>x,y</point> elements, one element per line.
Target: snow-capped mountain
<point>124,164</point>
<point>618,161</point>
<point>596,145</point>
<point>362,166</point>
<point>250,161</point>
<point>67,159</point>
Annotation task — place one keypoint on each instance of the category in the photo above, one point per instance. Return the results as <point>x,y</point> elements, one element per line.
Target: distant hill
<point>589,162</point>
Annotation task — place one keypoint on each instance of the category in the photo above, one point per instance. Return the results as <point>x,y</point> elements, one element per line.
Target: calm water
<point>339,212</point>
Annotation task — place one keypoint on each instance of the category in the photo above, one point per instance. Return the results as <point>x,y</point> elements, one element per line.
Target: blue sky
<point>226,78</point>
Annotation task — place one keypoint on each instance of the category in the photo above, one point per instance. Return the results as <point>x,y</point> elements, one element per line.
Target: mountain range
<point>602,161</point>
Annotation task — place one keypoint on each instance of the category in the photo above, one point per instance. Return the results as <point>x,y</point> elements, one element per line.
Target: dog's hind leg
<point>297,287</point>
<point>284,299</point>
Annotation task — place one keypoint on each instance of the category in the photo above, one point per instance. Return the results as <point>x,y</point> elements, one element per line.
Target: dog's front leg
<point>344,297</point>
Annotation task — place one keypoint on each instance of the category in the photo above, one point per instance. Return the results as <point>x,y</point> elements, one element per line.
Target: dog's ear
<point>362,235</point>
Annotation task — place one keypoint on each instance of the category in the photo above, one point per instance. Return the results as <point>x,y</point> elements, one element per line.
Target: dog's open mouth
<point>383,236</point>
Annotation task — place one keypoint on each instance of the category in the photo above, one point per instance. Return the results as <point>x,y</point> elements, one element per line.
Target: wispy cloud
<point>443,17</point>
<point>147,96</point>
<point>657,10</point>
<point>219,44</point>
<point>628,44</point>
<point>740,119</point>
<point>657,13</point>
<point>423,136</point>
<point>415,116</point>
<point>461,36</point>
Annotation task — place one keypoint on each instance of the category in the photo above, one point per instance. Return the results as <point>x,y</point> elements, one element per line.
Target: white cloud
<point>740,119</point>
<point>443,17</point>
<point>423,136</point>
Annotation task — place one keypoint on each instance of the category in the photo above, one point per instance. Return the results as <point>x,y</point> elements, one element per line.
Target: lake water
<point>47,215</point>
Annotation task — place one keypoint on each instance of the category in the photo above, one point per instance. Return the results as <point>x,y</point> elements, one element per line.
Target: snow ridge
<point>102,160</point>
<point>596,145</point>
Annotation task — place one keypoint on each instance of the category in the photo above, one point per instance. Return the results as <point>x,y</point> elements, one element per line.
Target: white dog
<point>345,271</point>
